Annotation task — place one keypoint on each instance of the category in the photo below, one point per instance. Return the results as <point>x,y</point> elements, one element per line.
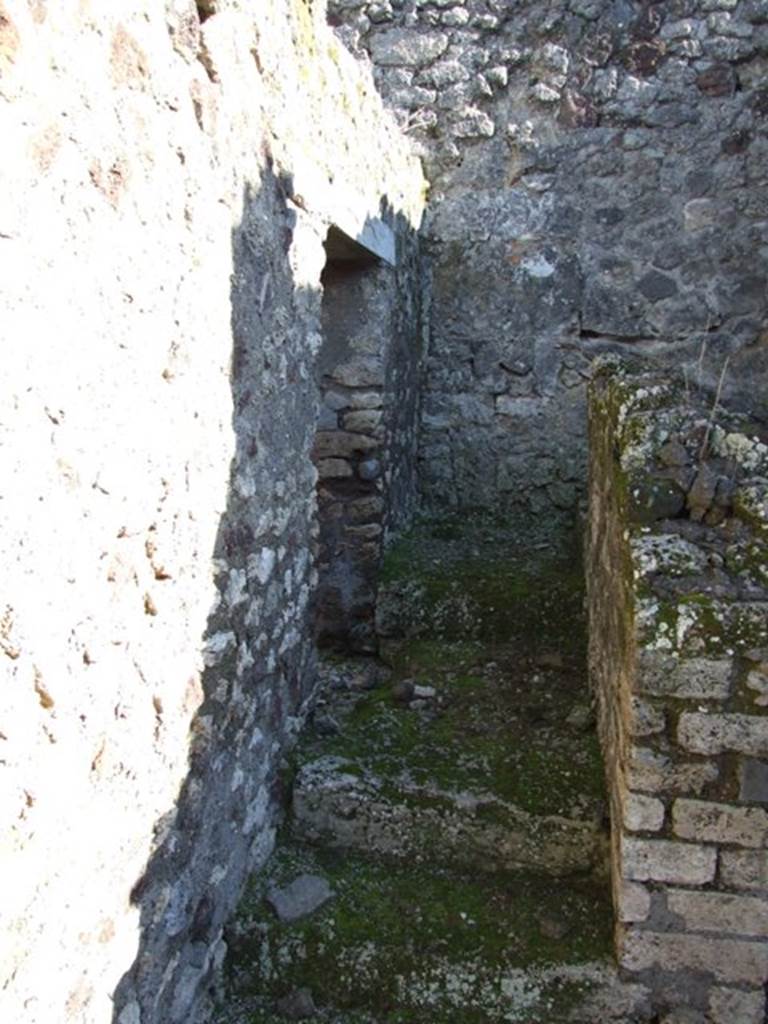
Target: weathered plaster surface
<point>167,188</point>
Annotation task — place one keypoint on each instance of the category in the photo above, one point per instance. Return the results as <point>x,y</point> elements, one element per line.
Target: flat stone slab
<point>337,802</point>
<point>461,759</point>
<point>302,897</point>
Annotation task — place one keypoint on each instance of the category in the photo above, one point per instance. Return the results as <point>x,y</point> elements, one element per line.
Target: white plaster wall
<point>121,180</point>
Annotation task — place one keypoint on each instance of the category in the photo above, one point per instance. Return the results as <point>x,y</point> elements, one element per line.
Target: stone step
<point>486,764</point>
<point>468,578</point>
<point>413,943</point>
<point>450,797</point>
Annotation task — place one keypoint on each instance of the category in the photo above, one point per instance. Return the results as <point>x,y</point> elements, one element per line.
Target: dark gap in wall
<point>626,339</point>
<point>205,8</point>
<point>348,488</point>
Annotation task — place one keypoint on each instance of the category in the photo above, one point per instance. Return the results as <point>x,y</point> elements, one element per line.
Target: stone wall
<point>369,370</point>
<point>598,181</point>
<point>170,174</point>
<point>678,595</point>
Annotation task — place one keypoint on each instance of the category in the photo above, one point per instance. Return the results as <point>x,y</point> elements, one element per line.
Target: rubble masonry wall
<point>170,172</point>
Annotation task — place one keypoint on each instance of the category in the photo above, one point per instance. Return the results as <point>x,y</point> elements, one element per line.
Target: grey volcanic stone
<point>599,188</point>
<point>673,453</point>
<point>398,47</point>
<point>303,896</point>
<point>655,499</point>
<point>297,1005</point>
<point>369,469</point>
<point>655,285</point>
<point>701,494</point>
<point>754,781</point>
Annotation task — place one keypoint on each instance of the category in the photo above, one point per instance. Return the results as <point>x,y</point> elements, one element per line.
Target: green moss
<point>749,506</point>
<point>750,561</point>
<point>710,626</point>
<point>410,940</point>
<point>476,580</point>
<point>498,727</point>
<point>392,933</point>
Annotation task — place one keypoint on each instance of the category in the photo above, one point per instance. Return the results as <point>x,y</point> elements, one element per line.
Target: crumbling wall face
<point>167,188</point>
<point>598,181</point>
<point>677,572</point>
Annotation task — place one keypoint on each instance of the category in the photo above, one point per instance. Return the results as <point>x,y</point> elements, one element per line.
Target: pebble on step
<point>297,1005</point>
<point>550,660</point>
<point>302,897</point>
<point>553,926</point>
<point>325,724</point>
<point>580,718</point>
<point>403,691</point>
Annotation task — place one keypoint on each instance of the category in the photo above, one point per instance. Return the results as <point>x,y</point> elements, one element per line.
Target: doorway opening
<point>349,446</point>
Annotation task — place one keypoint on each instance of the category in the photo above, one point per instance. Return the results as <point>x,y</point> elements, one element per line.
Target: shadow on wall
<point>258,648</point>
<point>259,663</point>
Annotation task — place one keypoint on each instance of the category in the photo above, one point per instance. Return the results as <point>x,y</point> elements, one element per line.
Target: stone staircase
<point>444,856</point>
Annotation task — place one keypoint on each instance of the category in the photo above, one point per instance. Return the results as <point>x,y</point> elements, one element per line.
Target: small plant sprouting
<point>713,410</point>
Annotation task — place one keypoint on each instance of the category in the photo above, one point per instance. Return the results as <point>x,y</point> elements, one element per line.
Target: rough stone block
<point>700,213</point>
<point>330,469</point>
<point>643,813</point>
<point>363,509</point>
<point>335,400</point>
<point>717,734</point>
<point>341,444</point>
<point>634,902</point>
<point>720,912</point>
<point>758,682</point>
<point>367,531</point>
<point>303,896</point>
<point>663,860</point>
<point>365,400</point>
<point>363,421</point>
<point>698,678</point>
<point>657,773</point>
<point>733,1006</point>
<point>720,823</point>
<point>754,781</point>
<point>740,869</point>
<point>363,372</point>
<point>332,802</point>
<point>646,719</point>
<point>728,960</point>
<point>399,47</point>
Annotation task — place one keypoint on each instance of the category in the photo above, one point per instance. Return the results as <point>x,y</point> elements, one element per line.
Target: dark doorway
<point>348,446</point>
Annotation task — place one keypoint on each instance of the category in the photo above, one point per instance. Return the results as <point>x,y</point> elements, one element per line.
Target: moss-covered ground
<point>511,711</point>
<point>499,640</point>
<point>471,578</point>
<point>505,726</point>
<point>399,939</point>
